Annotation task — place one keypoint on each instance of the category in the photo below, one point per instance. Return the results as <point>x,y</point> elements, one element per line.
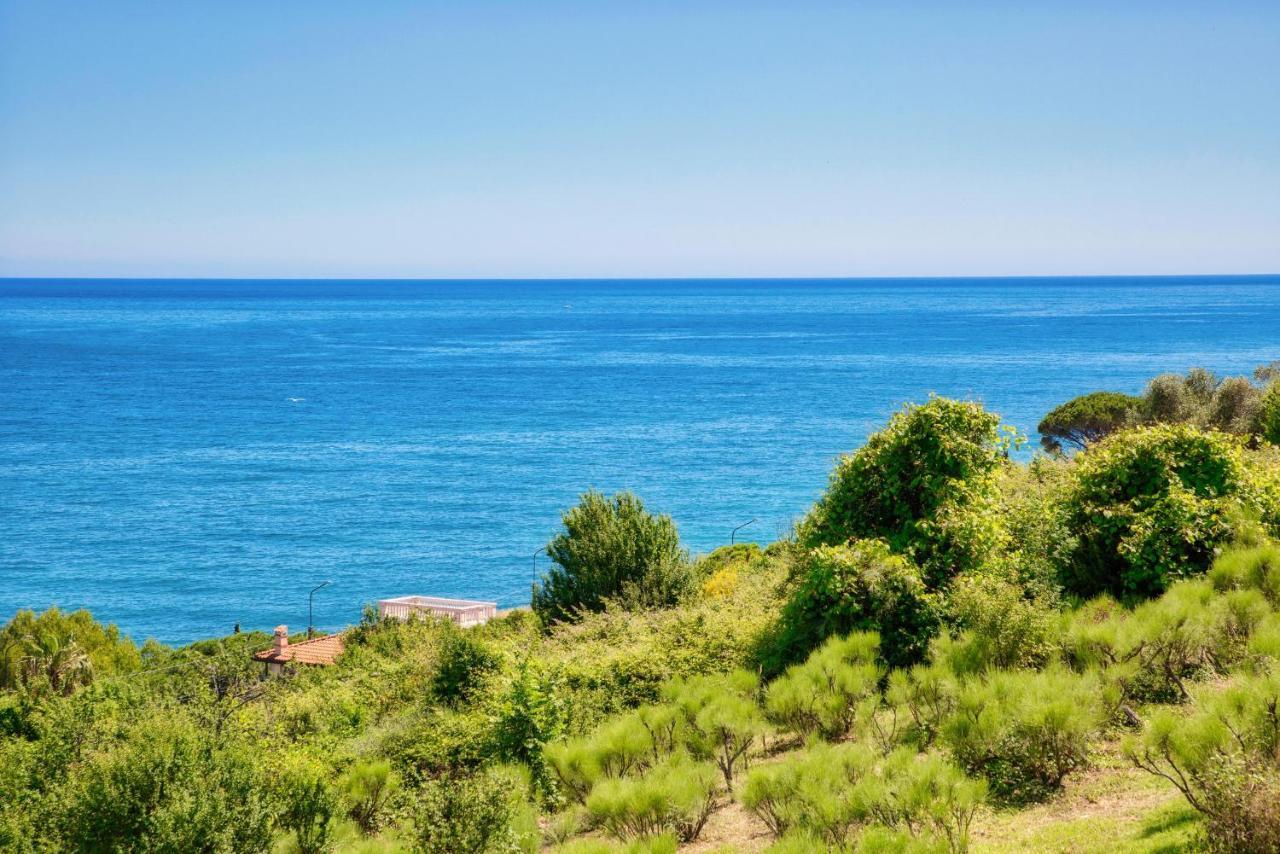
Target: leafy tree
<point>860,586</point>
<point>1084,420</point>
<point>925,484</point>
<point>611,547</point>
<point>1150,506</point>
<point>59,652</point>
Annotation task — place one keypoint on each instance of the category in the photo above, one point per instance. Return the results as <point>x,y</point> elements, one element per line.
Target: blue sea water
<point>181,456</point>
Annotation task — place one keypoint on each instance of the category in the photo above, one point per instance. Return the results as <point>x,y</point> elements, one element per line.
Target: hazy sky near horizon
<point>638,139</point>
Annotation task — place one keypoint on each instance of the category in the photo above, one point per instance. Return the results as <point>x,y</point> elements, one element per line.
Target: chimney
<point>281,642</point>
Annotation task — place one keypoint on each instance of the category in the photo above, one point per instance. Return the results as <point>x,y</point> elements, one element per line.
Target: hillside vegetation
<point>953,652</point>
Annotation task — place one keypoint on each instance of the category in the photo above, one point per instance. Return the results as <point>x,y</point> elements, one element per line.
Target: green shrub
<point>1006,629</point>
<point>1222,758</point>
<point>166,788</point>
<point>860,586</point>
<point>925,484</point>
<point>829,795</point>
<point>465,664</point>
<point>611,547</point>
<point>530,715</point>
<point>58,652</point>
<point>474,814</point>
<point>366,787</point>
<point>1256,568</point>
<point>618,747</point>
<point>306,804</point>
<point>664,843</point>
<point>676,795</point>
<point>927,693</point>
<point>1024,731</point>
<point>1150,506</point>
<point>720,719</point>
<point>1267,418</point>
<point>824,694</point>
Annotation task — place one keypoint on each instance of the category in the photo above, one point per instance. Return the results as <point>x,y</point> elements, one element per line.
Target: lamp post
<point>739,528</point>
<point>310,603</point>
<point>534,581</point>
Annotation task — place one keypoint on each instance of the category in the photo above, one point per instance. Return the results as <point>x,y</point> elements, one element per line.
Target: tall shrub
<point>1150,506</point>
<point>925,484</point>
<point>611,547</point>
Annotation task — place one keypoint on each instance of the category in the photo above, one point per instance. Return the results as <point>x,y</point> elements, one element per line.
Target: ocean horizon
<point>184,455</point>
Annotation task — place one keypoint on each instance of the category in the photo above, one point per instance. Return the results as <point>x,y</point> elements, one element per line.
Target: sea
<point>180,457</point>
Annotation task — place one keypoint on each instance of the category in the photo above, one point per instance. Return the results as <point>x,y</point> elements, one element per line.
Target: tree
<point>611,547</point>
<point>925,484</point>
<point>1268,415</point>
<point>1084,420</point>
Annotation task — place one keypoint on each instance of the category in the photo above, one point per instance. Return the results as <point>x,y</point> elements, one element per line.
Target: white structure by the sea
<point>464,612</point>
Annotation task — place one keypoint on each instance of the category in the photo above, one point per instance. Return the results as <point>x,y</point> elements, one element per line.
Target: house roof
<point>323,650</point>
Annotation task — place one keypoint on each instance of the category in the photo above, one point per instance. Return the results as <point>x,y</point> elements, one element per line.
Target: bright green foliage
<point>465,664</point>
<point>530,715</point>
<point>58,652</point>
<point>1083,420</point>
<point>1005,629</point>
<point>306,804</point>
<point>1223,759</point>
<point>663,843</point>
<point>720,720</point>
<point>365,789</point>
<point>1024,731</point>
<point>1256,568</point>
<point>925,484</point>
<point>859,586</point>
<point>1268,415</point>
<point>823,695</point>
<point>834,794</point>
<point>1150,506</point>
<point>673,796</point>
<point>927,693</point>
<point>1152,652</point>
<point>474,814</point>
<point>611,547</point>
<point>167,789</point>
<point>630,743</point>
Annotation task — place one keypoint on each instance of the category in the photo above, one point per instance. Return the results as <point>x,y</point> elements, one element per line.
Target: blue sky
<point>638,139</point>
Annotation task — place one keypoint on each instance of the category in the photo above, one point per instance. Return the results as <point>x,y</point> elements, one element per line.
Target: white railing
<point>464,612</point>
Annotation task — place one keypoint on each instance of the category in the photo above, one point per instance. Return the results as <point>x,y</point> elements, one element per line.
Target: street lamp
<point>311,601</point>
<point>739,528</point>
<point>534,582</point>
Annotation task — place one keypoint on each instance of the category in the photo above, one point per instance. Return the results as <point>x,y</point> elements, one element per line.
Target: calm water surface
<point>180,456</point>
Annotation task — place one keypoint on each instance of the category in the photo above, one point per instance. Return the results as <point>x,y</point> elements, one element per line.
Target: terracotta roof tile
<point>323,650</point>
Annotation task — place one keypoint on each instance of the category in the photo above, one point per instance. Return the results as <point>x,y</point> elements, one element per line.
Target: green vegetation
<point>953,650</point>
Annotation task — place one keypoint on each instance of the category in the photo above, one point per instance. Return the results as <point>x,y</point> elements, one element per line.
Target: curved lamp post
<point>739,528</point>
<point>310,602</point>
<point>533,583</point>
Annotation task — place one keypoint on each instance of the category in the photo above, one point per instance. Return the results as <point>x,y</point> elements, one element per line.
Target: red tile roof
<point>323,650</point>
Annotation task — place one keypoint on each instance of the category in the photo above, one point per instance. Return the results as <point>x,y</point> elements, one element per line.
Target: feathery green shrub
<point>720,720</point>
<point>676,795</point>
<point>823,695</point>
<point>1024,731</point>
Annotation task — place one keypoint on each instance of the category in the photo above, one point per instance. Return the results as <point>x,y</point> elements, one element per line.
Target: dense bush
<point>482,813</point>
<point>1002,627</point>
<point>1223,759</point>
<point>823,696</point>
<point>835,794</point>
<point>58,652</point>
<point>464,665</point>
<point>674,795</point>
<point>611,547</point>
<point>925,484</point>
<point>1024,731</point>
<point>860,586</point>
<point>718,718</point>
<point>1268,416</point>
<point>1150,506</point>
<point>366,788</point>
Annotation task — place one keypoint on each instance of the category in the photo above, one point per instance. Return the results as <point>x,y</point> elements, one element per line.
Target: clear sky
<point>230,138</point>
